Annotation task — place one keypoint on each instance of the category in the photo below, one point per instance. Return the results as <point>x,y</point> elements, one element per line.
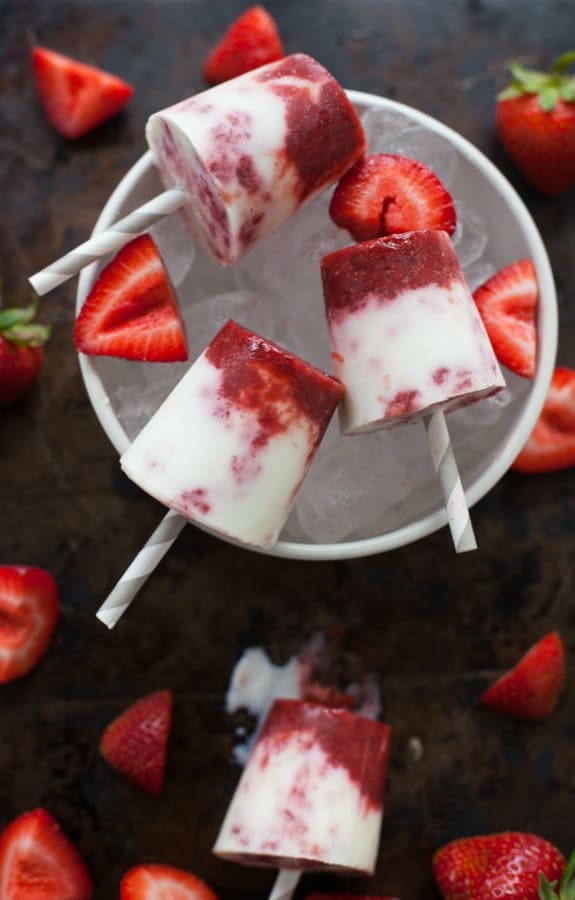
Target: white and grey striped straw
<point>141,567</point>
<point>445,464</point>
<point>106,241</point>
<point>285,884</point>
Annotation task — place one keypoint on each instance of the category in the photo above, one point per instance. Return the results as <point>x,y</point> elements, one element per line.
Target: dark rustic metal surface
<point>436,628</point>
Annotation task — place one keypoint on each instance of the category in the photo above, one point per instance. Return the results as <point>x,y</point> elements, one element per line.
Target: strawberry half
<point>37,861</point>
<point>535,119</point>
<point>551,444</point>
<point>156,882</point>
<point>76,97</point>
<point>496,865</point>
<point>132,311</point>
<point>507,303</point>
<point>251,41</point>
<point>135,743</point>
<point>387,194</point>
<point>28,615</point>
<point>531,689</point>
<point>21,354</point>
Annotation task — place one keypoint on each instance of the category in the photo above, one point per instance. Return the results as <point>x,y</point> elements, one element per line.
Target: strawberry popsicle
<point>248,152</point>
<point>311,794</point>
<point>405,334</point>
<point>232,443</point>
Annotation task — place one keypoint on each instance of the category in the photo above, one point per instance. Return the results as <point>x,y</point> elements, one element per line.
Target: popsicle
<point>311,794</point>
<point>228,449</point>
<point>239,160</point>
<point>407,342</point>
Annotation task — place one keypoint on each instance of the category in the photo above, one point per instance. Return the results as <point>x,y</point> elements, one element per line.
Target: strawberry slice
<point>251,41</point>
<point>507,303</point>
<point>132,311</point>
<point>153,881</point>
<point>28,616</point>
<point>530,690</point>
<point>551,444</point>
<point>37,861</point>
<point>76,97</point>
<point>135,743</point>
<point>390,194</point>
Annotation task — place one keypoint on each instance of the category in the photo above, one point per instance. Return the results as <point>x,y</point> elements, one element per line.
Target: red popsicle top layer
<point>320,147</point>
<point>349,740</point>
<point>386,267</point>
<point>279,386</point>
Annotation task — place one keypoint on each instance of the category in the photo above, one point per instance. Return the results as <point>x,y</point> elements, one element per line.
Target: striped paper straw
<point>106,241</point>
<point>140,568</point>
<point>285,884</point>
<point>454,497</point>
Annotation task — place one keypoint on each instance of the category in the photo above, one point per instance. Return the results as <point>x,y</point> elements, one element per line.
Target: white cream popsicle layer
<point>311,794</point>
<point>250,151</point>
<point>406,337</point>
<point>232,443</point>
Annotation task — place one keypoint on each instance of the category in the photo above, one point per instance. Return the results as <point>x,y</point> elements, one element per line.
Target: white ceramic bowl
<point>512,235</point>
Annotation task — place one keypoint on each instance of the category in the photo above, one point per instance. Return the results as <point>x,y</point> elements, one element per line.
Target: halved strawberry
<point>135,743</point>
<point>28,616</point>
<point>132,311</point>
<point>551,444</point>
<point>38,862</point>
<point>76,97</point>
<point>390,194</point>
<point>507,303</point>
<point>251,41</point>
<point>531,689</point>
<point>153,881</point>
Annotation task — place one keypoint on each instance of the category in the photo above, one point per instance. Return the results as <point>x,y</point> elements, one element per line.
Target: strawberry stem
<point>16,325</point>
<point>566,885</point>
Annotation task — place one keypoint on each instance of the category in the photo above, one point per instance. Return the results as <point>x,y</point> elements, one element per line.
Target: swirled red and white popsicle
<point>408,343</point>
<point>311,794</point>
<point>233,441</point>
<point>239,160</point>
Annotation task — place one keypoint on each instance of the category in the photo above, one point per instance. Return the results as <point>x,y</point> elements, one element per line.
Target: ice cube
<point>383,128</point>
<point>175,246</point>
<point>470,236</point>
<point>478,272</point>
<point>430,149</point>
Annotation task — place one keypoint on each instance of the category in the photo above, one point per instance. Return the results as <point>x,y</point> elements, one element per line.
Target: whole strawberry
<point>535,119</point>
<point>21,354</point>
<point>512,865</point>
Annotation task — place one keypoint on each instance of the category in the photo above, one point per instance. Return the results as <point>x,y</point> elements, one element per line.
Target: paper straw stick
<point>106,241</point>
<point>454,497</point>
<point>140,568</point>
<point>285,884</point>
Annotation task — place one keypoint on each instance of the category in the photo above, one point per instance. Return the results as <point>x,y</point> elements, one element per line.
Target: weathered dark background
<point>435,628</point>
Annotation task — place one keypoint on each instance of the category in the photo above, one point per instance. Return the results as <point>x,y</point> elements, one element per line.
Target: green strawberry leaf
<point>563,61</point>
<point>567,90</point>
<point>548,97</point>
<point>528,80</point>
<point>567,883</point>
<point>33,335</point>
<point>16,316</point>
<point>546,888</point>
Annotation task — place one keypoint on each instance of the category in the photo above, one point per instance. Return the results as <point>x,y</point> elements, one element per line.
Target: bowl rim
<point>414,531</point>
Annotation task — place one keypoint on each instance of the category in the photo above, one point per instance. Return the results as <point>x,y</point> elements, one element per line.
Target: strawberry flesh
<point>251,41</point>
<point>386,194</point>
<point>551,445</point>
<point>507,304</point>
<point>496,865</point>
<point>135,743</point>
<point>38,861</point>
<point>531,689</point>
<point>154,881</point>
<point>28,616</point>
<point>132,311</point>
<point>76,97</point>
